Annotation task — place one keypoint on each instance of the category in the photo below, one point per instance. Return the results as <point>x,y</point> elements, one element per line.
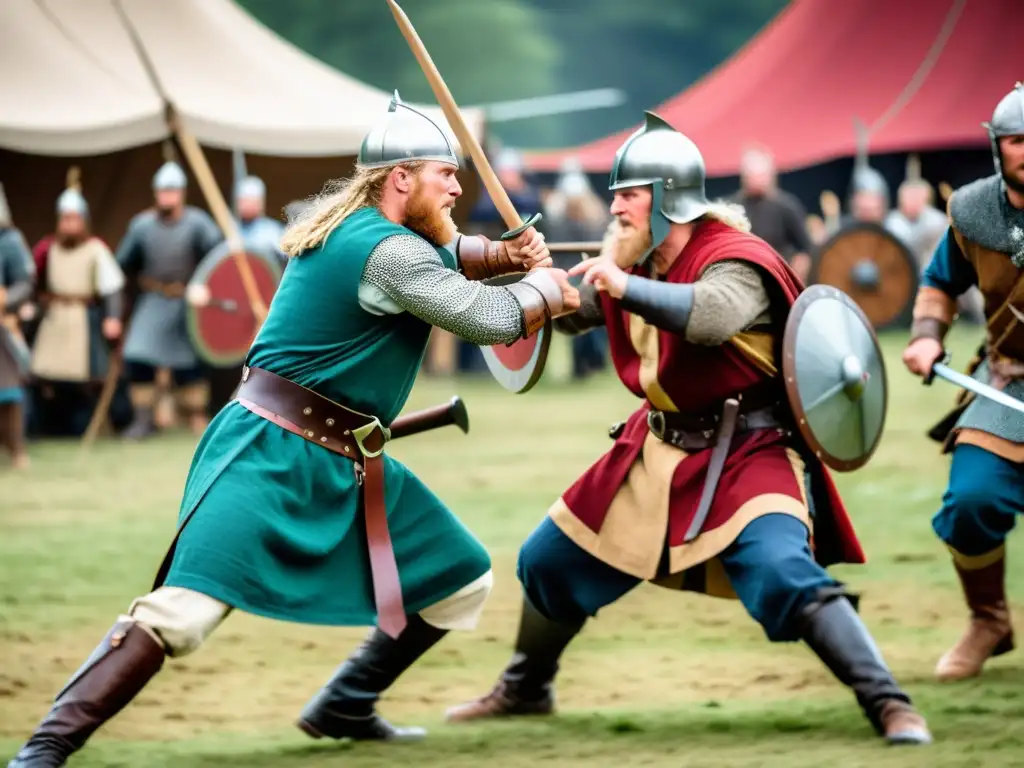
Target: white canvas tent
<point>74,90</point>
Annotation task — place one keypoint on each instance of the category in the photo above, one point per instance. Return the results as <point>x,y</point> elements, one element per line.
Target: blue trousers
<point>769,565</point>
<point>981,503</point>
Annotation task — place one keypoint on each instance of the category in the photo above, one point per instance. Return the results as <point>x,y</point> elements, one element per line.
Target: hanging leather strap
<point>355,436</point>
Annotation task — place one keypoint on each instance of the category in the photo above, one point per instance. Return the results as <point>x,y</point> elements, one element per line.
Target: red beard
<point>423,217</point>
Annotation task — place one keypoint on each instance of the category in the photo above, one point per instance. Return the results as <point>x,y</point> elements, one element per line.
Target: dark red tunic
<point>622,506</point>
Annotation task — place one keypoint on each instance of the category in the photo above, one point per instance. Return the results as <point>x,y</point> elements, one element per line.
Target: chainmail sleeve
<point>411,274</point>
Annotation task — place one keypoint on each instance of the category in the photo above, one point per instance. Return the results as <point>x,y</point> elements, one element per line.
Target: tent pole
<point>219,208</point>
<point>201,169</point>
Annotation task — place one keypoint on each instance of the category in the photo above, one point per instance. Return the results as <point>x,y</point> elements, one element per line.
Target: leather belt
<point>355,436</point>
<point>67,298</point>
<point>172,290</point>
<point>694,433</point>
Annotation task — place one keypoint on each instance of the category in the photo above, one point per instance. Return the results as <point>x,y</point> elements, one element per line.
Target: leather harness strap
<point>347,433</point>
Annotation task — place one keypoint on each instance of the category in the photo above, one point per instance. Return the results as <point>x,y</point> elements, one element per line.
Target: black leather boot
<point>834,631</point>
<point>345,707</point>
<point>111,677</point>
<point>526,687</point>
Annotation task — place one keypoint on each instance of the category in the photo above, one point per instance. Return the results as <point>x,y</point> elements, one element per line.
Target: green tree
<point>486,50</point>
<point>492,50</point>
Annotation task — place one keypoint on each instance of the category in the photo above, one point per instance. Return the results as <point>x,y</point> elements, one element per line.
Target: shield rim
<point>901,319</point>
<point>202,350</point>
<point>518,382</point>
<point>799,309</point>
<point>523,380</point>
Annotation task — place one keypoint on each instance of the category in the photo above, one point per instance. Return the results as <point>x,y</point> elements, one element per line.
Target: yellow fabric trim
<point>977,562</point>
<point>645,341</point>
<point>711,543</point>
<point>633,532</point>
<point>759,346</point>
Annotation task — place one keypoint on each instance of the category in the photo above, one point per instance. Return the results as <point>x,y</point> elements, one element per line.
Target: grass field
<point>660,679</point>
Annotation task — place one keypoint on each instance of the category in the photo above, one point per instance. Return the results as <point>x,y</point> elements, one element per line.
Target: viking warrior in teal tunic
<point>983,247</point>
<point>292,509</point>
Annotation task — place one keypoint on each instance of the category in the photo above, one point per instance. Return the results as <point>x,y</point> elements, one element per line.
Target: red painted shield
<point>519,366</point>
<point>222,332</point>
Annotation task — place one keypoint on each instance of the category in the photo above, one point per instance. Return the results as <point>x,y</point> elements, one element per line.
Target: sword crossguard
<point>943,360</point>
<point>512,234</point>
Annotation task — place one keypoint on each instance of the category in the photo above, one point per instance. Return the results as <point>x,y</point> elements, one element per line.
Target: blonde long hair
<point>339,199</point>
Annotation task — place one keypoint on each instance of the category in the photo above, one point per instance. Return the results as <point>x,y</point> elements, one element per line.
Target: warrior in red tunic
<point>696,493</point>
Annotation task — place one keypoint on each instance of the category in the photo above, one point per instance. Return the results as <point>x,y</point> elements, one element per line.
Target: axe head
<point>460,416</point>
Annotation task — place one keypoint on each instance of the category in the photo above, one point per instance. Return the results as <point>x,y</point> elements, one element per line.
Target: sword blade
<point>975,386</point>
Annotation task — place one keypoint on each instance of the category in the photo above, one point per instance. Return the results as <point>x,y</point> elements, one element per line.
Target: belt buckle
<point>362,433</point>
<point>656,423</point>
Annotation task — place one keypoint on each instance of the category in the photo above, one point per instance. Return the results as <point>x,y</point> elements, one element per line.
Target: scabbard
<point>719,455</point>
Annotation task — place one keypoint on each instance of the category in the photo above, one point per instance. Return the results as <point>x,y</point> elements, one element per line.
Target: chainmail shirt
<point>405,274</point>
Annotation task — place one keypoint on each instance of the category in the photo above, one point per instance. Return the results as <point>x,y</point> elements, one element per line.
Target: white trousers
<point>181,619</point>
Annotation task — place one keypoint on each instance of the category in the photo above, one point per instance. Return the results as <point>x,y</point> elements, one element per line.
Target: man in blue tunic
<point>983,247</point>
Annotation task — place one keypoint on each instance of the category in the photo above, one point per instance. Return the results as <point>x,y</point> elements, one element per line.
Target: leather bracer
<point>480,258</point>
<point>540,298</point>
<point>934,311</point>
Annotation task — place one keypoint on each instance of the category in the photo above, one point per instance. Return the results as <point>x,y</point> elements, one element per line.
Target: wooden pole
<point>221,214</point>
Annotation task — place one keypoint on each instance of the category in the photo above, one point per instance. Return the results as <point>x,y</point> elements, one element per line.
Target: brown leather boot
<point>112,676</point>
<point>901,723</point>
<point>989,632</point>
<point>526,687</point>
<point>834,631</point>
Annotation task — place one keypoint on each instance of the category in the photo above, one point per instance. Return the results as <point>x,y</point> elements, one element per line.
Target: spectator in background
<point>869,197</point>
<point>574,212</point>
<point>921,226</point>
<point>918,223</point>
<point>256,228</point>
<point>775,215</point>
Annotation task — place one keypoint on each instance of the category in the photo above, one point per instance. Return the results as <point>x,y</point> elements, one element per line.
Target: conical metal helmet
<point>72,201</point>
<point>404,135</point>
<point>1007,120</point>
<point>659,156</point>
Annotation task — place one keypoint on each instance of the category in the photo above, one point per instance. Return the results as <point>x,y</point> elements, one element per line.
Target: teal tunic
<point>271,523</point>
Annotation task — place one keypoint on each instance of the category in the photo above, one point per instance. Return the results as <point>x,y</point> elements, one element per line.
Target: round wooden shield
<point>874,268</point>
<point>222,331</point>
<point>518,366</point>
